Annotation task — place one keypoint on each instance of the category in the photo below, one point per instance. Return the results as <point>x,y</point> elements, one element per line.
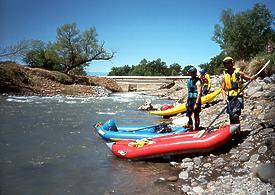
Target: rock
<point>186,160</point>
<point>266,172</point>
<point>244,157</point>
<point>198,190</point>
<point>206,165</point>
<point>172,178</point>
<point>160,180</point>
<point>183,175</point>
<point>218,163</point>
<point>257,94</point>
<point>188,166</point>
<point>197,161</point>
<point>173,164</point>
<point>252,90</point>
<point>262,149</point>
<point>267,80</point>
<point>185,188</point>
<point>254,157</point>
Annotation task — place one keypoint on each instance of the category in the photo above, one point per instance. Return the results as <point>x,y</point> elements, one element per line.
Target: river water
<point>48,146</point>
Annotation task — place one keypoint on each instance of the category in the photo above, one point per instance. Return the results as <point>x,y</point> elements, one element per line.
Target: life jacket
<point>192,87</point>
<point>233,83</point>
<point>204,80</point>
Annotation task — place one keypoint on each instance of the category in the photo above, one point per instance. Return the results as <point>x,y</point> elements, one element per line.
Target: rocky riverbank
<point>19,80</point>
<point>245,165</point>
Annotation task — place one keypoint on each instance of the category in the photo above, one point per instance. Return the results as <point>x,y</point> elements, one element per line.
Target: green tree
<point>185,70</point>
<point>42,56</point>
<point>75,49</point>
<point>120,71</point>
<point>244,34</point>
<point>175,69</point>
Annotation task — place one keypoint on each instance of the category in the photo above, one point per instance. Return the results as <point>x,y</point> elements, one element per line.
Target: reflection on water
<point>48,146</point>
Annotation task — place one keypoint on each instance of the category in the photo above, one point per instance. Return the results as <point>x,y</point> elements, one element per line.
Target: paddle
<point>209,130</point>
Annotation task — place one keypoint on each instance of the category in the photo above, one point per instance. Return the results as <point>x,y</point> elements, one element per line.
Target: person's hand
<point>253,78</point>
<point>195,106</point>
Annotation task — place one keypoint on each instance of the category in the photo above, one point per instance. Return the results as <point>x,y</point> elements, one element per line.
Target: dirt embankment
<point>19,80</point>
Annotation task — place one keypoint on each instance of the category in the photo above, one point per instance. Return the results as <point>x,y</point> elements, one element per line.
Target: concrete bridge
<point>143,83</point>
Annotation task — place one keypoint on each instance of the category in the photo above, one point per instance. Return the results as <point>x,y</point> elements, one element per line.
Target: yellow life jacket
<point>207,76</point>
<point>233,83</point>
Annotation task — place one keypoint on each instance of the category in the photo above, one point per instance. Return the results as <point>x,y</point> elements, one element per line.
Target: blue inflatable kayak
<point>110,132</point>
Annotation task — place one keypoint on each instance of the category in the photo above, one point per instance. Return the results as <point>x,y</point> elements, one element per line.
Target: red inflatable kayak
<point>189,142</point>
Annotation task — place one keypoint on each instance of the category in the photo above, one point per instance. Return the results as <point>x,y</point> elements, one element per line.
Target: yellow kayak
<point>182,107</point>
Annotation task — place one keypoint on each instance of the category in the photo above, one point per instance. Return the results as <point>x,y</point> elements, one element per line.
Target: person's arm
<point>246,77</point>
<point>223,91</point>
<point>198,84</point>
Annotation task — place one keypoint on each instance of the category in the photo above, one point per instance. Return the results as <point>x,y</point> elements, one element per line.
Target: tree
<point>186,69</point>
<point>15,51</point>
<point>244,34</point>
<point>42,56</point>
<point>76,50</point>
<point>120,71</point>
<point>175,69</point>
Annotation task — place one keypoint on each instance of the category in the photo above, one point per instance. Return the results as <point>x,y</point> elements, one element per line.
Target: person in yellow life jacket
<point>193,98</point>
<point>206,82</point>
<point>232,83</point>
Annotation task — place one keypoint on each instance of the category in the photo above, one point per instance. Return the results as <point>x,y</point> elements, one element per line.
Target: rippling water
<point>47,146</point>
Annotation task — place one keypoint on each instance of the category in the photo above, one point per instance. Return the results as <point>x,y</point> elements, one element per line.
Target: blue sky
<point>177,31</point>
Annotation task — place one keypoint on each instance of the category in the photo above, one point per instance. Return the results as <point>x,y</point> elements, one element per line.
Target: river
<point>48,146</point>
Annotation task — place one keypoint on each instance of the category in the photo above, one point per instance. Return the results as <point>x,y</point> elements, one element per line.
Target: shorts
<point>190,106</point>
<point>235,107</point>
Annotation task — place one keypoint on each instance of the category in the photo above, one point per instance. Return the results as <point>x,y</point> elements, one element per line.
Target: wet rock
<point>172,178</point>
<point>266,172</point>
<point>160,180</point>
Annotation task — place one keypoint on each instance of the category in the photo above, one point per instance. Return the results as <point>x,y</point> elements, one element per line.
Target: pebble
<point>262,149</point>
<point>183,175</point>
<point>254,157</point>
<point>244,157</point>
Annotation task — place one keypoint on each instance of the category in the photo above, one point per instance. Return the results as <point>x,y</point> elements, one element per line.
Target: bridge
<point>143,83</point>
